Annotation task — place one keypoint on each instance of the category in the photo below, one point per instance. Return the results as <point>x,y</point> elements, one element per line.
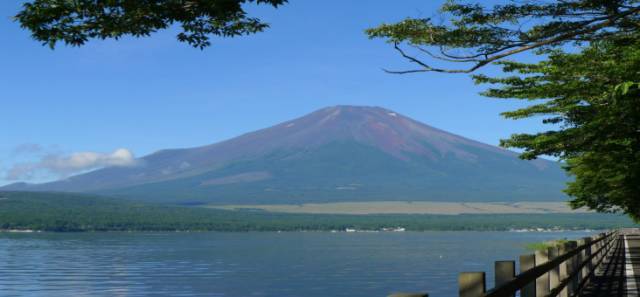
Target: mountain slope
<point>342,153</point>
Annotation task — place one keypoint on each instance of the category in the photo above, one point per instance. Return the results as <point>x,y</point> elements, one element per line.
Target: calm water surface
<point>251,264</point>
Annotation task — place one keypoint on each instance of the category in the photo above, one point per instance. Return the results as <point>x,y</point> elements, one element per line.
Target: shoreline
<point>348,230</point>
<point>450,208</point>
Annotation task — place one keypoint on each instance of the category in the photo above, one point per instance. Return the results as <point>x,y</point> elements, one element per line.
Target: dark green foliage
<point>587,84</point>
<point>74,22</point>
<point>594,97</point>
<point>64,212</point>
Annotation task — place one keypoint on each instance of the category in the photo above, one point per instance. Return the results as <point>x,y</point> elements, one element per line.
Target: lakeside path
<point>619,274</point>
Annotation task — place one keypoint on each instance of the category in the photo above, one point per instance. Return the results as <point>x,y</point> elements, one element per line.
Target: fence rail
<point>574,263</point>
<point>557,271</point>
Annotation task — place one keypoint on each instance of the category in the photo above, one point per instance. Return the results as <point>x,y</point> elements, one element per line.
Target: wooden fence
<point>558,271</point>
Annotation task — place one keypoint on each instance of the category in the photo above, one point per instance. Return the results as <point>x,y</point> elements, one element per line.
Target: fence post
<point>571,268</point>
<point>527,262</point>
<point>602,244</point>
<point>554,273</point>
<point>472,284</point>
<point>587,253</point>
<point>579,260</point>
<point>595,248</point>
<point>505,271</point>
<point>542,282</point>
<point>564,269</point>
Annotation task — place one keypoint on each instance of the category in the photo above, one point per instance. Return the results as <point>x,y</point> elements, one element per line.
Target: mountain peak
<point>357,110</point>
<point>337,153</point>
<point>377,127</point>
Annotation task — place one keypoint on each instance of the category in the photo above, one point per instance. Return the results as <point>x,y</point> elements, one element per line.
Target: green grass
<point>544,245</point>
<point>64,212</point>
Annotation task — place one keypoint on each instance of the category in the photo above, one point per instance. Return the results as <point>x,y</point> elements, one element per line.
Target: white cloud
<point>65,165</point>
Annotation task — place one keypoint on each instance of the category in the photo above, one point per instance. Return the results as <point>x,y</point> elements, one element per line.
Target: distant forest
<point>64,212</point>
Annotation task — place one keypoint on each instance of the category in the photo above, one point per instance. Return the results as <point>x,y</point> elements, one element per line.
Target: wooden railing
<point>558,271</point>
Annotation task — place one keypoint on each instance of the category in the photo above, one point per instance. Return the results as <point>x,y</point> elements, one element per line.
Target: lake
<point>252,264</point>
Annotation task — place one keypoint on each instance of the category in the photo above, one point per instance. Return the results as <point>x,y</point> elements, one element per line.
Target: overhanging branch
<point>502,53</point>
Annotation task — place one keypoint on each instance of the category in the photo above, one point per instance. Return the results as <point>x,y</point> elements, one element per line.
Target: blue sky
<point>155,93</point>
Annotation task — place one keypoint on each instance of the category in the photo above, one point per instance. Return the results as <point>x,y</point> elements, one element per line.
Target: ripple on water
<point>249,264</point>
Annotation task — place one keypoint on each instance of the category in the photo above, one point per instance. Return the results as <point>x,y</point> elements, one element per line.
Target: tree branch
<point>501,53</point>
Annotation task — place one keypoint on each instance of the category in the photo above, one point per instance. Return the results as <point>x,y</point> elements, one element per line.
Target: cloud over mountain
<point>61,165</point>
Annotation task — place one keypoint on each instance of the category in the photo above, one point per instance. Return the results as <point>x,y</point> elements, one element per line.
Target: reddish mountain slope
<point>333,154</point>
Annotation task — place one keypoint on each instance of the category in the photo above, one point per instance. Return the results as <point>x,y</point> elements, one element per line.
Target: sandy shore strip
<point>408,207</point>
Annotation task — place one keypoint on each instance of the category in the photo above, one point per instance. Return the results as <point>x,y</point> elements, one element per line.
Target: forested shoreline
<point>64,212</point>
